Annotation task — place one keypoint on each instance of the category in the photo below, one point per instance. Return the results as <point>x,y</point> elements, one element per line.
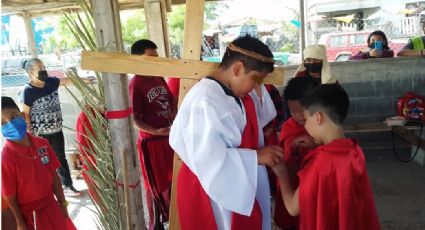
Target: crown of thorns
<point>248,53</point>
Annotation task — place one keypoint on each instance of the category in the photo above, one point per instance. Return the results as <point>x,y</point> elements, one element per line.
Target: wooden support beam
<point>30,35</point>
<point>157,66</point>
<point>108,37</point>
<point>156,18</point>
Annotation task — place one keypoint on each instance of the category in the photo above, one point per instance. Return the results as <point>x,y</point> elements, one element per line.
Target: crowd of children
<point>226,134</point>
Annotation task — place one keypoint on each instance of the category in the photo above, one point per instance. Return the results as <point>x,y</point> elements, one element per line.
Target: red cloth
<point>193,203</point>
<point>152,101</point>
<point>334,191</point>
<point>83,142</point>
<point>174,86</point>
<point>27,173</point>
<point>290,130</point>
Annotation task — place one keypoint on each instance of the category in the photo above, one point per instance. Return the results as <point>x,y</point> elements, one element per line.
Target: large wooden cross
<point>189,69</point>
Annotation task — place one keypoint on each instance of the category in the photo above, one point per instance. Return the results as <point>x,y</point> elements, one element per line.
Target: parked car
<point>341,46</point>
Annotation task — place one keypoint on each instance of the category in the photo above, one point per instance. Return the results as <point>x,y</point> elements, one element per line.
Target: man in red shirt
<point>153,113</point>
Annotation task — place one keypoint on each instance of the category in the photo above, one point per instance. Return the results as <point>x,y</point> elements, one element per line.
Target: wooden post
<point>109,38</point>
<point>156,19</point>
<point>30,34</point>
<point>302,31</point>
<point>193,27</point>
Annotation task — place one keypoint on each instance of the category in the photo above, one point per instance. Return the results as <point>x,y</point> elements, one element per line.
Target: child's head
<point>325,108</point>
<point>13,125</point>
<point>35,69</point>
<point>249,61</point>
<point>144,47</point>
<point>294,91</point>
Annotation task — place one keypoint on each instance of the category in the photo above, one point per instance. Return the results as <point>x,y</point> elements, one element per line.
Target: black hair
<point>8,103</point>
<point>330,99</point>
<point>140,46</point>
<point>27,65</point>
<point>251,64</point>
<point>384,37</point>
<point>297,87</point>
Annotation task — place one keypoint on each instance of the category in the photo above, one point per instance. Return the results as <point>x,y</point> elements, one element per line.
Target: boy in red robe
<point>334,190</point>
<point>295,142</point>
<point>153,112</point>
<point>30,183</point>
<point>216,135</point>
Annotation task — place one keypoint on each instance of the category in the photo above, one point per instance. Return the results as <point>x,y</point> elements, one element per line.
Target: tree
<point>134,28</point>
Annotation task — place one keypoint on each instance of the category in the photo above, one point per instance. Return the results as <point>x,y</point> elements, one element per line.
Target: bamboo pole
<point>30,34</point>
<point>126,189</point>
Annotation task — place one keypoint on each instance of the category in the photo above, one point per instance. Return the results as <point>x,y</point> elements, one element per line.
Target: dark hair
<point>27,65</point>
<point>330,99</point>
<point>8,103</point>
<point>140,46</point>
<point>251,44</point>
<point>297,87</point>
<point>384,37</point>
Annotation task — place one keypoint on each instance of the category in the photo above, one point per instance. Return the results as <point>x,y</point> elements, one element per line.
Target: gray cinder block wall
<point>374,85</point>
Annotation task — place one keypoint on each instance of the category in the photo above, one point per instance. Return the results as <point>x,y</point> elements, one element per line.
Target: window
<point>338,41</point>
<point>358,39</point>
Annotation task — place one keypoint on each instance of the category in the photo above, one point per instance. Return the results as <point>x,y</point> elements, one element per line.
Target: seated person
<point>378,47</point>
<point>415,47</point>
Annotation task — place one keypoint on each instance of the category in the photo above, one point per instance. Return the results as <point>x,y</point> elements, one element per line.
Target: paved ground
<point>399,191</point>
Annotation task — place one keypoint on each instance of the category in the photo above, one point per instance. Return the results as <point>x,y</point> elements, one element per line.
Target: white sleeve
<point>207,142</point>
<point>268,110</point>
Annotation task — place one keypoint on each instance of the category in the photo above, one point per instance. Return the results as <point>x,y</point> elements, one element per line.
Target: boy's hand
<point>280,170</point>
<point>304,141</point>
<point>21,226</point>
<point>270,155</point>
<point>64,209</point>
<point>163,131</point>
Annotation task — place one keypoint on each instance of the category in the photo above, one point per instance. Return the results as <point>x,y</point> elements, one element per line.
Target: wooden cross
<point>190,70</point>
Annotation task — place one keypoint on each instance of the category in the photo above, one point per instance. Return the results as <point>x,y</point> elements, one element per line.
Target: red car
<point>341,46</point>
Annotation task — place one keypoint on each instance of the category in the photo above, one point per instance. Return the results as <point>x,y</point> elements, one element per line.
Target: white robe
<point>266,112</point>
<point>206,134</point>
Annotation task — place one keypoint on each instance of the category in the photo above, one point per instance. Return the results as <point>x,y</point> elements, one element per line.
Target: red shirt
<point>27,172</point>
<point>334,190</point>
<point>174,86</point>
<point>151,100</point>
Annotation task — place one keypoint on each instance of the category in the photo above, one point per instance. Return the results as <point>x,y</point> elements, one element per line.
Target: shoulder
<point>53,81</point>
<point>6,155</point>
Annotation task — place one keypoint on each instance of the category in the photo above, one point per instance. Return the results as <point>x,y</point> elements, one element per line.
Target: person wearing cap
<point>316,65</point>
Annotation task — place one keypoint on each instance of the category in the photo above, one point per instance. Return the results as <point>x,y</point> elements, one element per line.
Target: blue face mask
<point>15,129</point>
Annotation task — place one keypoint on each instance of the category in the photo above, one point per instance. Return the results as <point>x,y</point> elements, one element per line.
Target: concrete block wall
<point>374,85</point>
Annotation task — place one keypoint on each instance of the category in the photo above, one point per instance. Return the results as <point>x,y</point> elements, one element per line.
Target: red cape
<point>334,191</point>
<point>196,213</point>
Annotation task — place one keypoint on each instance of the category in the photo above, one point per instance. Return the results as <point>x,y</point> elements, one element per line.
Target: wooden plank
<point>156,18</point>
<point>194,22</point>
<point>30,34</point>
<point>108,37</point>
<point>157,66</point>
<point>410,137</point>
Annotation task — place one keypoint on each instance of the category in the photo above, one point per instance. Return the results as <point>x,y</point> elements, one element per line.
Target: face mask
<point>42,75</point>
<point>313,67</point>
<point>15,129</point>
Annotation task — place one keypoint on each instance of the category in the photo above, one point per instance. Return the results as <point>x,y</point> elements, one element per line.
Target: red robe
<point>28,173</point>
<point>290,130</point>
<point>196,213</point>
<point>334,191</point>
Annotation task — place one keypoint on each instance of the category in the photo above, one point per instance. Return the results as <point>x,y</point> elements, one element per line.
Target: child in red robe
<point>30,183</point>
<point>295,142</point>
<point>334,190</point>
